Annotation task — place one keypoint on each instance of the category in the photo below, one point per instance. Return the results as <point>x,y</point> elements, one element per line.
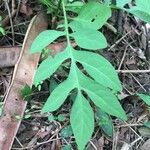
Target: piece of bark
<point>23,74</point>
<point>9,56</point>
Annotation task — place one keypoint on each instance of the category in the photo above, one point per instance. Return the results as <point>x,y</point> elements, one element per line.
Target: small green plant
<point>91,75</point>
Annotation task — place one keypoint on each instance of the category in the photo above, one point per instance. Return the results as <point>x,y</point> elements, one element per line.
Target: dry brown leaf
<point>23,74</point>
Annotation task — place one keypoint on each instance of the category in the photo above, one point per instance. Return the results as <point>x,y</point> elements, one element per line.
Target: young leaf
<point>101,96</point>
<point>61,117</point>
<point>49,66</point>
<point>92,15</point>
<point>145,98</point>
<point>66,132</point>
<point>44,39</point>
<point>82,121</point>
<point>26,92</point>
<point>99,69</point>
<point>89,39</point>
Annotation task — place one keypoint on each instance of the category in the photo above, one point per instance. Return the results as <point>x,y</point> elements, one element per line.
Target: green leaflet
<point>145,98</point>
<point>101,96</point>
<point>92,15</point>
<point>49,66</point>
<point>74,7</point>
<point>143,5</point>
<point>82,121</point>
<point>143,15</point>
<point>59,94</point>
<point>89,39</point>
<point>141,10</point>
<point>122,3</point>
<point>44,39</point>
<point>98,68</point>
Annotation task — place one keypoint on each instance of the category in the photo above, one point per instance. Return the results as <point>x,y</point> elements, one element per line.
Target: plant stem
<point>73,62</point>
<point>66,23</point>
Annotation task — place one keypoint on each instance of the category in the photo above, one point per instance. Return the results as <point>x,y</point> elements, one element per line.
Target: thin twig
<point>133,71</point>
<point>11,22</point>
<point>138,82</point>
<point>93,145</point>
<point>117,42</point>
<point>123,57</point>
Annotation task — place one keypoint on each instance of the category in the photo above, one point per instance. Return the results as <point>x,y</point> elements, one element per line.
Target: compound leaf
<point>92,15</point>
<point>44,39</point>
<point>99,69</point>
<point>49,66</point>
<point>145,98</point>
<point>82,121</point>
<point>89,39</point>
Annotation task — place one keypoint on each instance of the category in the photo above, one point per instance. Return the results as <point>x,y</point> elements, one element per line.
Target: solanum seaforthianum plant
<point>99,85</point>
